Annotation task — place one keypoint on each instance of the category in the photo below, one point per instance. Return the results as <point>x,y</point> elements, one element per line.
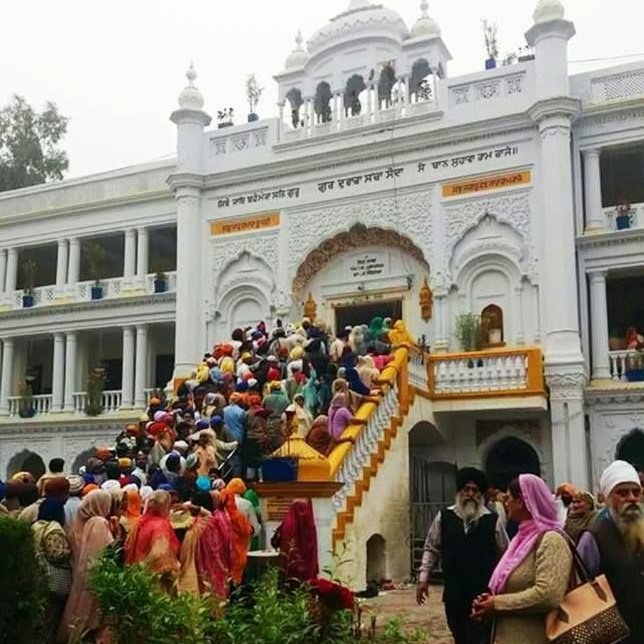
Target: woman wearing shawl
<point>241,534</point>
<point>532,577</point>
<point>200,509</point>
<point>153,541</point>
<point>296,540</point>
<point>90,536</point>
<point>340,415</point>
<point>132,512</point>
<point>581,515</point>
<point>215,551</point>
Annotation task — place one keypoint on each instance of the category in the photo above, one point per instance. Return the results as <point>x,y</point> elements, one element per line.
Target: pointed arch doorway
<point>508,458</point>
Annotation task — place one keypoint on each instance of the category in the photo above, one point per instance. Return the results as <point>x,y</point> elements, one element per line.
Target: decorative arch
<point>26,461</point>
<point>631,448</point>
<point>357,236</point>
<point>507,458</point>
<point>418,85</point>
<point>355,86</point>
<point>294,97</point>
<point>376,558</point>
<point>322,102</point>
<point>82,459</point>
<point>245,269</point>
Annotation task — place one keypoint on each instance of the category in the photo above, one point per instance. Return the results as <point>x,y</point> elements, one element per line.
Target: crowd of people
<point>507,564</point>
<point>171,491</point>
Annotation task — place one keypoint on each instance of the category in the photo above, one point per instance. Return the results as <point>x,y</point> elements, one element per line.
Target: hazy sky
<point>116,68</point>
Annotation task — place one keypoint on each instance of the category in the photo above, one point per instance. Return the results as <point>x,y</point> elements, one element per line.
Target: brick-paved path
<point>402,603</point>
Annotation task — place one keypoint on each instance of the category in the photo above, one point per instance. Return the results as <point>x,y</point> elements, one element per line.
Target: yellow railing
<point>490,373</point>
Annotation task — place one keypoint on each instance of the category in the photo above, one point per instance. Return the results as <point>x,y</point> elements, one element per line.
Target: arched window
<point>26,461</point>
<point>386,84</point>
<point>376,559</point>
<point>631,448</point>
<point>419,85</point>
<point>322,102</point>
<point>507,459</point>
<point>492,326</point>
<point>355,86</point>
<point>294,97</point>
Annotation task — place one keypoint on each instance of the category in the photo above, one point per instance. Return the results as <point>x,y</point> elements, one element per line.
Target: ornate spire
<point>425,26</point>
<point>190,97</point>
<point>298,57</point>
<point>548,10</point>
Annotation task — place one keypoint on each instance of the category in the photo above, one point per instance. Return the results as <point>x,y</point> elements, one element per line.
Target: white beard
<point>630,524</point>
<point>469,509</point>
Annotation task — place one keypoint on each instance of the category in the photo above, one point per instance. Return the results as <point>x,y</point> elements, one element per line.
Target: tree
<point>28,144</point>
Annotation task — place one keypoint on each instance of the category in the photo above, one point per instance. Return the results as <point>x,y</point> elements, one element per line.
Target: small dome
<point>425,27</point>
<point>548,10</point>
<point>361,16</point>
<point>190,97</point>
<point>298,57</point>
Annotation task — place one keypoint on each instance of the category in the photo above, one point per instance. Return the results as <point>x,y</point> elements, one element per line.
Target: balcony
<point>487,379</point>
<point>627,366</point>
<point>633,218</point>
<point>113,288</point>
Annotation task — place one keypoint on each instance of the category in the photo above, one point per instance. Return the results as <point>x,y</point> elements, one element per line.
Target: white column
<point>518,307</point>
<point>595,219</point>
<point>70,370</point>
<point>142,255</point>
<point>129,259</point>
<point>127,380</point>
<point>3,269</point>
<point>12,270</point>
<point>441,343</point>
<point>141,367</point>
<point>189,332</point>
<point>599,325</point>
<point>58,373</point>
<point>61,264</point>
<point>73,274</point>
<point>5,375</point>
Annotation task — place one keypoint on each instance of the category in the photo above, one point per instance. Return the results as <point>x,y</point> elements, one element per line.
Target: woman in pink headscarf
<point>532,577</point>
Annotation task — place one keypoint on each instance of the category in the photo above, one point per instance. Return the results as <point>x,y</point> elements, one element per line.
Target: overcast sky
<point>116,68</point>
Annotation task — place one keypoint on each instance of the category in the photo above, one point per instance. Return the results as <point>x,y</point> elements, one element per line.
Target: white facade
<point>381,171</point>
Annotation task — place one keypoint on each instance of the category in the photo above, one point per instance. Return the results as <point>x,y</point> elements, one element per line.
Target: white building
<point>500,189</point>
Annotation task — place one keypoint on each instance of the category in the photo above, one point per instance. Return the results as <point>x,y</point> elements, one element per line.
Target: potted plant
<point>96,264</point>
<point>225,117</point>
<point>635,367</point>
<point>624,213</point>
<point>491,43</point>
<point>29,268</point>
<point>95,388</point>
<point>160,282</point>
<point>253,94</point>
<point>468,331</point>
<point>26,403</point>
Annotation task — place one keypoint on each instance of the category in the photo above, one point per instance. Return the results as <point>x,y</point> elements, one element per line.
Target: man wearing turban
<point>614,544</point>
<point>468,540</point>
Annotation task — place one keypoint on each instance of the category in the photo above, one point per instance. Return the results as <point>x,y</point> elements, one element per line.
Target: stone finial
<point>547,10</point>
<point>190,97</point>
<point>354,5</point>
<point>425,26</point>
<point>298,57</point>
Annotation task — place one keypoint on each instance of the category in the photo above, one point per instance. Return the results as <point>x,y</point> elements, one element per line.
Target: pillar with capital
<point>141,365</point>
<point>129,258</point>
<point>73,273</point>
<point>12,270</point>
<point>6,374</point>
<point>127,380</point>
<point>61,267</point>
<point>58,373</point>
<point>599,325</point>
<point>70,370</point>
<point>190,329</point>
<point>3,269</point>
<point>142,252</point>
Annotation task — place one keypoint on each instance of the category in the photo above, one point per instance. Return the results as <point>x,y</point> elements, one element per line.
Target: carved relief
<point>222,252</point>
<point>409,214</point>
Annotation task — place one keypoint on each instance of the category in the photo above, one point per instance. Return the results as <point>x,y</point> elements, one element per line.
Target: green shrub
<point>23,591</point>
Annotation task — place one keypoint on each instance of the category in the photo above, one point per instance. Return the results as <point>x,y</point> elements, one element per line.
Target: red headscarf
<point>298,542</point>
<point>153,540</point>
<point>241,532</point>
<point>215,554</point>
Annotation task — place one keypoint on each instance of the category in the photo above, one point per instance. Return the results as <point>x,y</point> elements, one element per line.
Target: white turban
<point>617,472</point>
<point>110,485</point>
<point>146,492</point>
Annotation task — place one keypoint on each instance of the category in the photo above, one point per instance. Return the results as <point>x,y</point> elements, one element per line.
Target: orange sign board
<point>495,182</point>
<point>245,224</point>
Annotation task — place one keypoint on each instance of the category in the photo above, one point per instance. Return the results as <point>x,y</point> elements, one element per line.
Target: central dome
<point>362,17</point>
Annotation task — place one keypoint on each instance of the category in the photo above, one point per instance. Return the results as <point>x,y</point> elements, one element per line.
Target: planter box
<point>160,286</point>
<point>97,292</point>
<point>280,468</point>
<point>623,222</point>
<point>635,375</point>
<point>27,301</point>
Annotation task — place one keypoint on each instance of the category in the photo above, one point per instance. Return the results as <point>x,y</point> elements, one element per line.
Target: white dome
<point>190,97</point>
<point>548,10</point>
<point>425,27</point>
<point>361,16</point>
<point>298,57</point>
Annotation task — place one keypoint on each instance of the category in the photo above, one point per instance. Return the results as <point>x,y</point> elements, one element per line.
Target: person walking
<point>614,544</point>
<point>468,540</point>
<point>532,577</point>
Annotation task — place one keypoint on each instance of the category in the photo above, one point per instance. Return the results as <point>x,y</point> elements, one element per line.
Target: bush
<point>23,592</point>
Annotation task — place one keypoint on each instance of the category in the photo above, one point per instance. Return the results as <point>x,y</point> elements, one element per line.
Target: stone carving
<point>409,214</point>
<point>617,86</point>
<point>264,247</point>
<point>567,386</point>
<point>240,142</point>
<point>488,90</point>
<point>514,85</point>
<point>513,210</point>
<point>554,130</point>
<point>259,138</point>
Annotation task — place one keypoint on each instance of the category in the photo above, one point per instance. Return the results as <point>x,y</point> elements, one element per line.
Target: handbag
<point>588,613</point>
<point>58,576</point>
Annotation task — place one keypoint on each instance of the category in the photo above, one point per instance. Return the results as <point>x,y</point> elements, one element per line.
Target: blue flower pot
<point>623,222</point>
<point>252,117</point>
<point>97,292</point>
<point>490,63</point>
<point>160,286</point>
<point>635,375</point>
<point>27,301</point>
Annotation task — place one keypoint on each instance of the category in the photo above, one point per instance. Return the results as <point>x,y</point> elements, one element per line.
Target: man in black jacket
<point>614,544</point>
<point>468,540</point>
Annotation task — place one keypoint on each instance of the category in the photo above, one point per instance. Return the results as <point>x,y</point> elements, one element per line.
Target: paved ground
<point>402,603</point>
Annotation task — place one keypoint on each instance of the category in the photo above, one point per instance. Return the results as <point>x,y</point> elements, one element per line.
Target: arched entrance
<point>631,448</point>
<point>26,461</point>
<point>376,559</point>
<point>507,459</point>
